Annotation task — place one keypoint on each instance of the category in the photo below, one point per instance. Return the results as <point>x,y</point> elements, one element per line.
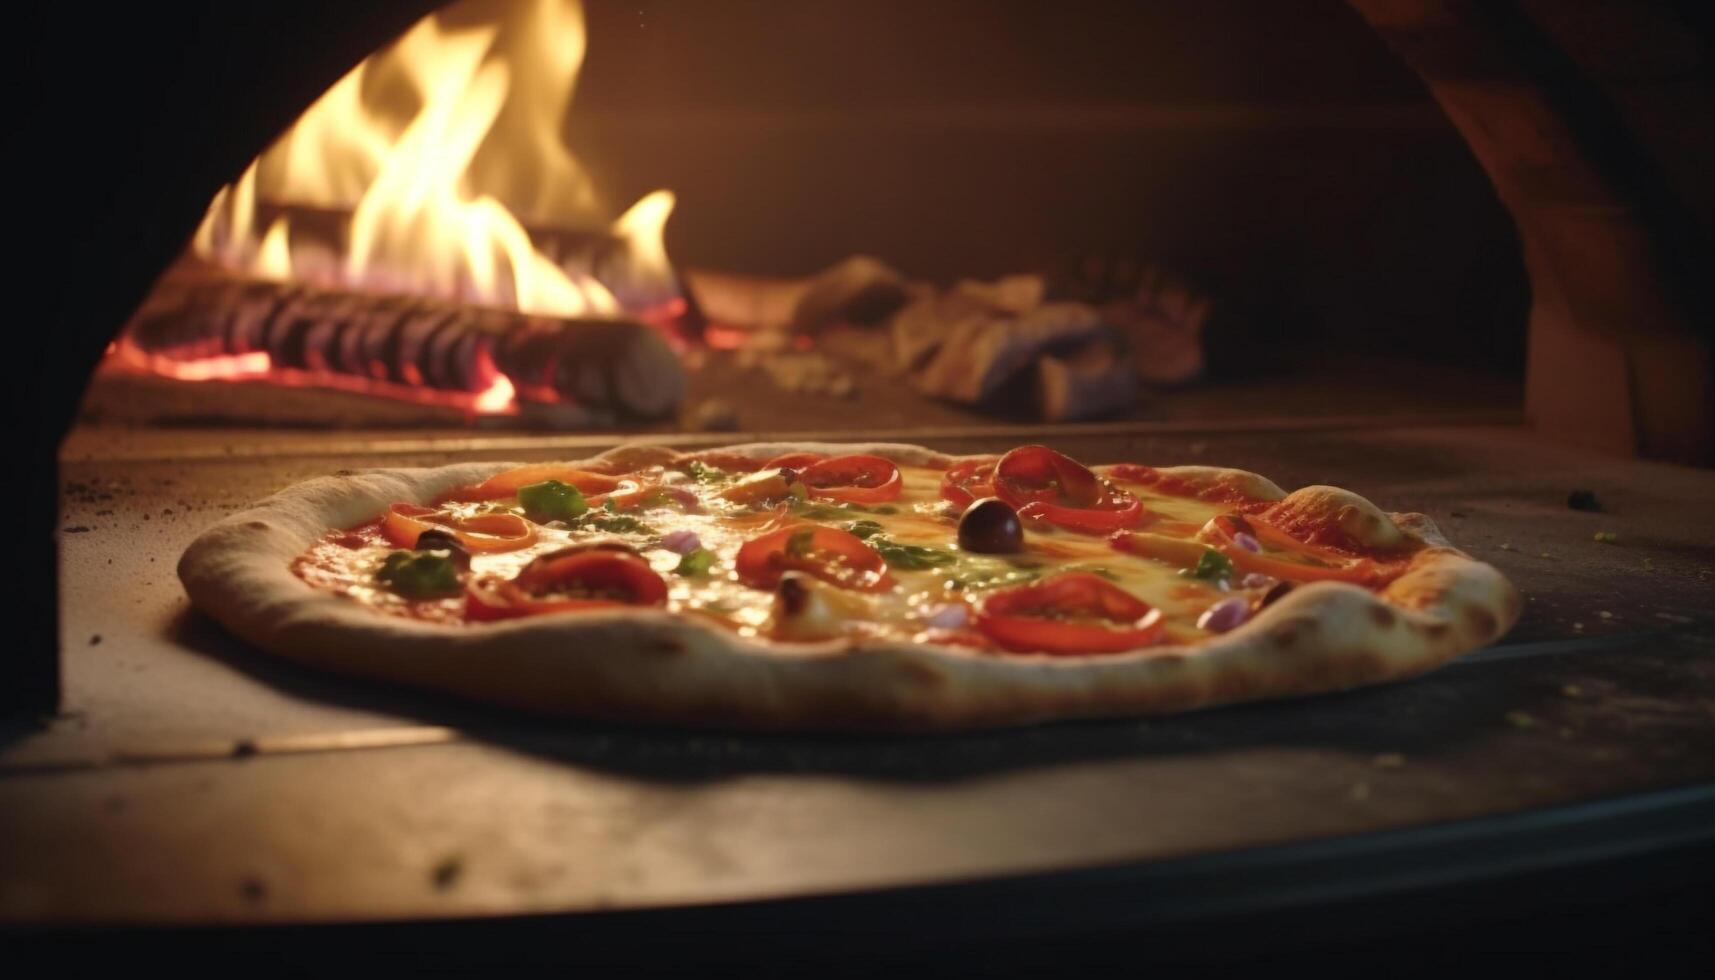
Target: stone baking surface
<point>191,779</point>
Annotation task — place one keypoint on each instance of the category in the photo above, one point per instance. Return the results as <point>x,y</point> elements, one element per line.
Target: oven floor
<point>192,780</point>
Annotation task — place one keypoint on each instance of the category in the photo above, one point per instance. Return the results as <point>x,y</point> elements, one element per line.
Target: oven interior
<point>1393,247</point>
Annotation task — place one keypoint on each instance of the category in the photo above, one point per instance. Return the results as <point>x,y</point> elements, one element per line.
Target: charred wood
<point>617,365</point>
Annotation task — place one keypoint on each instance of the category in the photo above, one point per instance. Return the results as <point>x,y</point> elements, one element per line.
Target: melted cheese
<point>924,603</point>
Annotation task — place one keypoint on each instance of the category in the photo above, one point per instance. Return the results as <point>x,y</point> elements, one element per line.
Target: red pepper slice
<point>853,479</point>
<point>575,579</point>
<point>1046,485</point>
<point>828,553</point>
<point>969,481</point>
<point>478,532</point>
<point>1336,566</point>
<point>1034,618</point>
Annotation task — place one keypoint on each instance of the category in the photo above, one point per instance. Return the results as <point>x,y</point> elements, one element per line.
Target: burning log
<point>620,366</point>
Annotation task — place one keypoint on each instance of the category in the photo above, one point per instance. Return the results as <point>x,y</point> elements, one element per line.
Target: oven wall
<point>1278,154</point>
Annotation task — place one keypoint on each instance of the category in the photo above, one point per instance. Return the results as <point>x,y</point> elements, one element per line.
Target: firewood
<point>620,366</point>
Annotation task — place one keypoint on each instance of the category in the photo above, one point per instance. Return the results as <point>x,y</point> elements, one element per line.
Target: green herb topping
<point>696,563</point>
<point>910,557</point>
<point>419,574</point>
<point>864,529</point>
<point>1213,566</point>
<point>551,500</point>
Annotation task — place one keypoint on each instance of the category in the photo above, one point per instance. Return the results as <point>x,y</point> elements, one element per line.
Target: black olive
<point>435,539</point>
<point>794,595</point>
<point>1273,594</point>
<point>990,526</point>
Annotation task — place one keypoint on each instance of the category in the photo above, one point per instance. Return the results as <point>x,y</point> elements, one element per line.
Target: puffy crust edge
<point>646,666</point>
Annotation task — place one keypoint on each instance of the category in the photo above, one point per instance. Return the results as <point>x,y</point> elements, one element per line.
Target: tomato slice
<point>1069,613</point>
<point>969,481</point>
<point>1030,474</point>
<point>853,479</point>
<point>828,553</point>
<point>599,577</point>
<point>477,532</point>
<point>796,461</point>
<point>1219,492</point>
<point>1333,566</point>
<point>1119,511</point>
<point>1045,485</point>
<point>502,485</point>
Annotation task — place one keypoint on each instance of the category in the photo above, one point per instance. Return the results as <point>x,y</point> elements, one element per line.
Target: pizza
<point>835,587</point>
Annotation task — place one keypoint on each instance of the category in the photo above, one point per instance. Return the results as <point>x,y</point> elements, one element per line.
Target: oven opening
<point>534,216</point>
<point>1448,256</point>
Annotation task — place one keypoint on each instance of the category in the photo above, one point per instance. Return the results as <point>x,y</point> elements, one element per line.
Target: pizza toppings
<point>1226,615</point>
<point>582,577</point>
<point>854,479</point>
<point>551,500</point>
<point>696,562</point>
<point>765,486</point>
<point>810,546</point>
<point>443,542</point>
<point>804,609</point>
<point>991,527</point>
<point>477,532</point>
<point>507,484</point>
<point>1073,612</point>
<point>968,481</point>
<point>419,574</point>
<point>1049,486</point>
<point>829,554</point>
<point>1279,555</point>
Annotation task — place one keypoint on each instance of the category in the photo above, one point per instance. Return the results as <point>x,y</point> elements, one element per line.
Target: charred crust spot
<point>1382,616</point>
<point>1287,633</point>
<point>670,646</point>
<point>923,674</point>
<point>1436,630</point>
<point>257,525</point>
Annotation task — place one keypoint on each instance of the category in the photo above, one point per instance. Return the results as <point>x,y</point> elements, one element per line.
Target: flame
<point>435,146</point>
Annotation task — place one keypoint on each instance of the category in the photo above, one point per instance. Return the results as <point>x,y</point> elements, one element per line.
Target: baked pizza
<point>844,587</point>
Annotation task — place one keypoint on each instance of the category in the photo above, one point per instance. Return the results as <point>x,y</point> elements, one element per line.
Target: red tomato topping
<point>577,578</point>
<point>1037,473</point>
<point>478,532</point>
<point>1175,486</point>
<point>969,481</point>
<point>828,553</point>
<point>1120,511</point>
<point>506,484</point>
<point>1048,486</point>
<point>1054,616</point>
<point>1334,566</point>
<point>854,479</point>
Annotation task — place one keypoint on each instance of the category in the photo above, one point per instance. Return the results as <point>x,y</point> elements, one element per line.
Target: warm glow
<point>441,147</point>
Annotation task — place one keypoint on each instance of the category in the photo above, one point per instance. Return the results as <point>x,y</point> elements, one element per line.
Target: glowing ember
<point>440,148</point>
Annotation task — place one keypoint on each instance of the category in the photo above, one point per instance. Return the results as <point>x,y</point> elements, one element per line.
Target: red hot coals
<point>402,344</point>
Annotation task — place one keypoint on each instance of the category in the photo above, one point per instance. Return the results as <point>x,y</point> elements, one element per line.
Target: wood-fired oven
<point>1451,254</point>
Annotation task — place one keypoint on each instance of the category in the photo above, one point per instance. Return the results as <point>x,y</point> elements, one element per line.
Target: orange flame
<point>436,145</point>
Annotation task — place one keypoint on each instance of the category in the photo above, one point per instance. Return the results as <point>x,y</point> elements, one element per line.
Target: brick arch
<point>1587,119</point>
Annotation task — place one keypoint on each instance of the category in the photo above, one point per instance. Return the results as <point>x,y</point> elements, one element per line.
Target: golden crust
<point>650,666</point>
